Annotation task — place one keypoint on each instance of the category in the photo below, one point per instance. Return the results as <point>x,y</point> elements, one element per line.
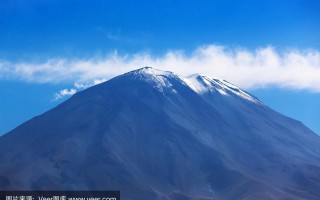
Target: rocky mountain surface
<point>154,135</point>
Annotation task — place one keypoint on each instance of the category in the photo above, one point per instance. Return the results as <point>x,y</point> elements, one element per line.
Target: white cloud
<point>63,93</point>
<point>263,67</point>
<point>78,86</point>
<point>86,84</point>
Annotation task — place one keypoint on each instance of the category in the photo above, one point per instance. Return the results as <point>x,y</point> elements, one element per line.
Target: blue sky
<point>49,49</point>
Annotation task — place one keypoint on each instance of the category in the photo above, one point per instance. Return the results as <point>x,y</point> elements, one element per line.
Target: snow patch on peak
<point>153,72</point>
<point>202,84</point>
<point>158,77</point>
<point>195,83</point>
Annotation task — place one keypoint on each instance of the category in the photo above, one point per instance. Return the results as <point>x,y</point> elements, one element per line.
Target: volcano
<point>154,135</point>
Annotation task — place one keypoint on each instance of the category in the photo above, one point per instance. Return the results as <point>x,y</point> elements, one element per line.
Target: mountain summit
<point>154,135</point>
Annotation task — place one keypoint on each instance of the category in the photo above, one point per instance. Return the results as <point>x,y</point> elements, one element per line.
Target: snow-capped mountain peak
<point>126,135</point>
<point>199,83</point>
<point>159,78</point>
<point>202,84</point>
<point>151,71</point>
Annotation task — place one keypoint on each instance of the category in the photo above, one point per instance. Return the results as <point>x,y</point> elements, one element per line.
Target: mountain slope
<point>154,135</point>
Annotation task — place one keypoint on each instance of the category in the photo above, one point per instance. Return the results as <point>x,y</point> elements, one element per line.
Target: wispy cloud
<point>263,67</point>
<point>78,86</point>
<point>86,84</point>
<point>64,93</point>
